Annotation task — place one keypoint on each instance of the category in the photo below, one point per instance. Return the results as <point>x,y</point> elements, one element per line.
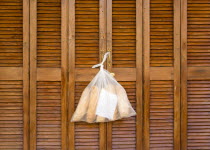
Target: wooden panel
<point>161,115</point>
<point>161,35</point>
<point>86,135</point>
<point>48,107</point>
<point>11,115</point>
<point>198,101</point>
<point>86,33</point>
<point>198,41</point>
<point>48,33</point>
<point>11,33</point>
<point>124,130</point>
<point>123,34</point>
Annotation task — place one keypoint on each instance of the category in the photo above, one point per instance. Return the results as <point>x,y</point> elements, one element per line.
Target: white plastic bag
<point>103,100</point>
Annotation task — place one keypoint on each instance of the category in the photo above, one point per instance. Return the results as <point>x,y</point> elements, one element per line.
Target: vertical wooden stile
<point>146,49</point>
<point>33,72</point>
<point>177,74</point>
<point>109,63</point>
<point>102,49</point>
<point>139,75</point>
<point>184,74</point>
<point>64,67</point>
<point>71,62</point>
<point>26,73</point>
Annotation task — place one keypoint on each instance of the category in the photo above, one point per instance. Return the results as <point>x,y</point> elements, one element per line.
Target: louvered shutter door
<point>84,53</point>
<point>14,70</point>
<point>161,74</point>
<point>121,41</point>
<point>195,81</point>
<point>48,74</point>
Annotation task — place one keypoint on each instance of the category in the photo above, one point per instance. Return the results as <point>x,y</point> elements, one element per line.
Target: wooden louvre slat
<point>198,24</point>
<point>11,115</point>
<point>48,115</point>
<point>123,34</point>
<point>161,35</point>
<point>198,133</point>
<point>11,33</point>
<point>161,115</point>
<point>48,33</point>
<point>86,135</point>
<point>124,130</point>
<point>86,33</point>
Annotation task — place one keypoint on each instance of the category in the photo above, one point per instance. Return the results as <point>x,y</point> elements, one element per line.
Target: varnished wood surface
<point>159,54</point>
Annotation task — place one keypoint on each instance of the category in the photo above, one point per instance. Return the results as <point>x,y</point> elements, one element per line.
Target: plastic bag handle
<point>104,59</point>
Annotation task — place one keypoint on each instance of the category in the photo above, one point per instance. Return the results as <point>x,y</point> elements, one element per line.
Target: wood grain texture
<point>25,72</point>
<point>161,115</point>
<point>86,33</point>
<point>177,73</point>
<point>11,115</point>
<point>11,35</point>
<point>146,49</point>
<point>198,41</point>
<point>139,75</point>
<point>64,72</point>
<point>71,74</point>
<point>102,49</point>
<point>198,114</point>
<point>161,33</point>
<point>48,114</point>
<point>48,33</point>
<point>184,74</point>
<point>33,72</point>
<point>123,33</point>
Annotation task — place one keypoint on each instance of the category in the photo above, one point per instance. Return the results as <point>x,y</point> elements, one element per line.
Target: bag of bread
<point>103,100</point>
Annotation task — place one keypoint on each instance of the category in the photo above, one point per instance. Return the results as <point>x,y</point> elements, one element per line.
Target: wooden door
<point>14,74</point>
<point>195,74</point>
<point>159,53</point>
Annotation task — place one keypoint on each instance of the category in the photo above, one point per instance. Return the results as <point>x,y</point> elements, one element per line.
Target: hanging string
<point>104,59</point>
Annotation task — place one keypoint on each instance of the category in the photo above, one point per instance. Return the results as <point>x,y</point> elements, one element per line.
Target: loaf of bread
<point>82,106</point>
<point>100,119</point>
<point>91,112</point>
<point>123,102</point>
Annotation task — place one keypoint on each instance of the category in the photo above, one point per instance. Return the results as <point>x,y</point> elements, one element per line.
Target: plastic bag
<point>103,100</point>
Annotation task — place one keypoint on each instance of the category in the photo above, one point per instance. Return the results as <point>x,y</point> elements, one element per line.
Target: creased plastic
<point>103,100</point>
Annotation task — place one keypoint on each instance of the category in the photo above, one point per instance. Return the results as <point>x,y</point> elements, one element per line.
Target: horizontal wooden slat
<point>198,114</point>
<point>124,130</point>
<point>11,118</point>
<point>161,115</point>
<point>123,34</point>
<point>198,33</point>
<point>86,33</point>
<point>48,107</point>
<point>48,33</point>
<point>161,33</point>
<point>86,135</point>
<point>11,33</point>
